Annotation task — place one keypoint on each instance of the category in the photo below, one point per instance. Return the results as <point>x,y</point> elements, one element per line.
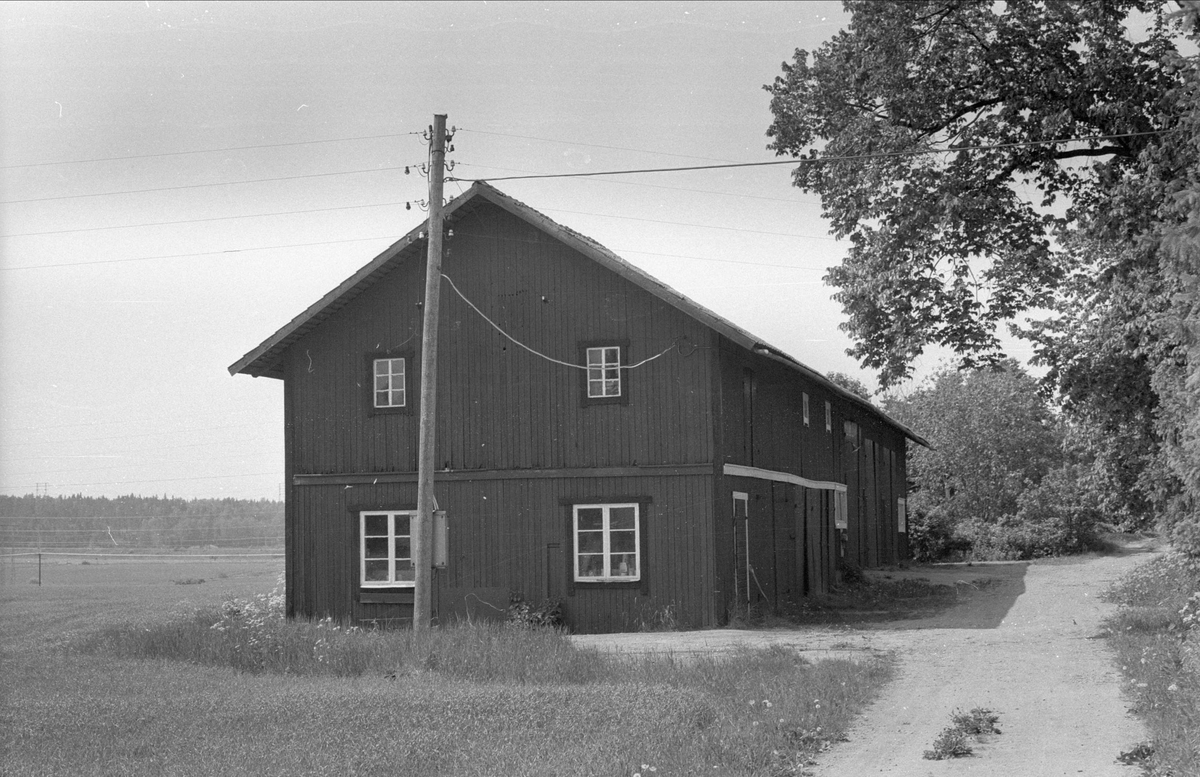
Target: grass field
<point>72,706</point>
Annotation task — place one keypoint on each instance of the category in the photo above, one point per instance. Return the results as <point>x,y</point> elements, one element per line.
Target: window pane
<point>402,523</point>
<point>590,518</point>
<point>623,565</point>
<point>381,383</point>
<point>405,572</point>
<point>376,547</point>
<point>621,517</point>
<point>591,566</point>
<point>591,542</point>
<point>612,355</point>
<point>396,399</point>
<point>623,542</point>
<point>403,548</point>
<point>375,525</point>
<point>377,571</point>
<point>595,357</point>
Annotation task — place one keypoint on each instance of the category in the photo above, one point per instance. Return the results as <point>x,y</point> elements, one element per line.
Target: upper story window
<point>607,543</point>
<point>385,547</point>
<point>605,381</point>
<point>604,372</point>
<point>828,417</point>
<point>389,383</point>
<point>804,402</point>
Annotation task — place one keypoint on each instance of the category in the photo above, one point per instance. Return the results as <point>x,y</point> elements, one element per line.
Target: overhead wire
<point>209,185</point>
<point>199,253</point>
<point>204,151</point>
<point>215,218</point>
<point>498,328</point>
<point>824,160</point>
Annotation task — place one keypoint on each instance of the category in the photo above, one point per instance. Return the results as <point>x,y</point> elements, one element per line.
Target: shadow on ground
<point>935,596</point>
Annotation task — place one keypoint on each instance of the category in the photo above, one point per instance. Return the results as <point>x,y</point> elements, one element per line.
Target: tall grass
<point>494,699</point>
<point>1155,634</point>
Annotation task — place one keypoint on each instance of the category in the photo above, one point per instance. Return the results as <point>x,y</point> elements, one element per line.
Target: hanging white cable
<point>538,353</point>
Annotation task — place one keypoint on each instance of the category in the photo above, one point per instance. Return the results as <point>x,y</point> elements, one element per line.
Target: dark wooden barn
<point>601,439</point>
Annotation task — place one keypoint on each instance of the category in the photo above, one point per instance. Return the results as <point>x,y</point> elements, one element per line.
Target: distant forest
<point>99,523</point>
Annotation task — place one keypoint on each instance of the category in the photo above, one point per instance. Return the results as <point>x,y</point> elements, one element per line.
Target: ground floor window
<point>386,548</point>
<point>607,543</point>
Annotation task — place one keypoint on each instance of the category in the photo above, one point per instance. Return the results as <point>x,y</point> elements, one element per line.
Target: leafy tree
<point>953,130</point>
<point>851,384</point>
<point>996,479</point>
<point>987,160</point>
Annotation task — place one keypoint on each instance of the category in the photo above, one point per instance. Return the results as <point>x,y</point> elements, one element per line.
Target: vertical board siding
<point>499,534</point>
<point>500,406</point>
<point>770,433</point>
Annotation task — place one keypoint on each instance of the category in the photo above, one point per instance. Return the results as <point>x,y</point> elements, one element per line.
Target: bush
<point>932,535</point>
<point>1056,517</point>
<point>522,614</point>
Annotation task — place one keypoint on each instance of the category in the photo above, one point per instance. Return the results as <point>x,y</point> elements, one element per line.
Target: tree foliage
<point>73,522</point>
<point>851,384</point>
<point>997,480</point>
<point>988,160</point>
<point>936,119</point>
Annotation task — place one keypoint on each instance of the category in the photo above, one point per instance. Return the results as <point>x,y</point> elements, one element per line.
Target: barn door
<point>741,548</point>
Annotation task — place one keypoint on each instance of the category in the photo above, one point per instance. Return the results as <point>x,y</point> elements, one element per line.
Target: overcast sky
<point>180,179</point>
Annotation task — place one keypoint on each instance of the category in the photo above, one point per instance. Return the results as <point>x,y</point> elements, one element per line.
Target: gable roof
<point>267,359</point>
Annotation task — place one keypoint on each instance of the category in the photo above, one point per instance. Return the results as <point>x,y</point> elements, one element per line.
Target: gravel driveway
<point>1025,644</point>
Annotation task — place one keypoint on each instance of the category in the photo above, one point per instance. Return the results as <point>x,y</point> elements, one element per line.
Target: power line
<point>590,145</point>
<point>538,353</point>
<point>209,185</point>
<point>204,151</point>
<point>202,221</point>
<point>201,253</point>
<point>822,160</point>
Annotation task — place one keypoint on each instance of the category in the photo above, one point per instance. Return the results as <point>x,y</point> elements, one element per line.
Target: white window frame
<point>828,417</point>
<point>607,565</point>
<point>393,381</point>
<point>804,402</point>
<point>397,565</point>
<point>603,373</point>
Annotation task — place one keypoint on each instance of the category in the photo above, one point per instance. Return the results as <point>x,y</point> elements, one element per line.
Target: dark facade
<point>677,477</point>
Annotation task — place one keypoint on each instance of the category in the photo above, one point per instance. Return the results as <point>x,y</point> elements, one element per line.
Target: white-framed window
<point>828,417</point>
<point>604,372</point>
<point>385,548</point>
<point>607,543</point>
<point>804,401</point>
<point>389,377</point>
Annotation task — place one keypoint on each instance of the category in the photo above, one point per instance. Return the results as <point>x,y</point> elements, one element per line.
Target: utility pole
<point>422,530</point>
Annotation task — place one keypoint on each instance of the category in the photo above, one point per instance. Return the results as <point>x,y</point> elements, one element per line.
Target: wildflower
<point>767,704</point>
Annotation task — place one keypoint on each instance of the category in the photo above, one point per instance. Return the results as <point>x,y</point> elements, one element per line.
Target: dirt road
<point>1024,645</point>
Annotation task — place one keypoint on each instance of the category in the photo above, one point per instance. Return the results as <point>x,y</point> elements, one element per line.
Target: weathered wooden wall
<point>504,409</point>
<point>760,409</point>
<point>513,535</point>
